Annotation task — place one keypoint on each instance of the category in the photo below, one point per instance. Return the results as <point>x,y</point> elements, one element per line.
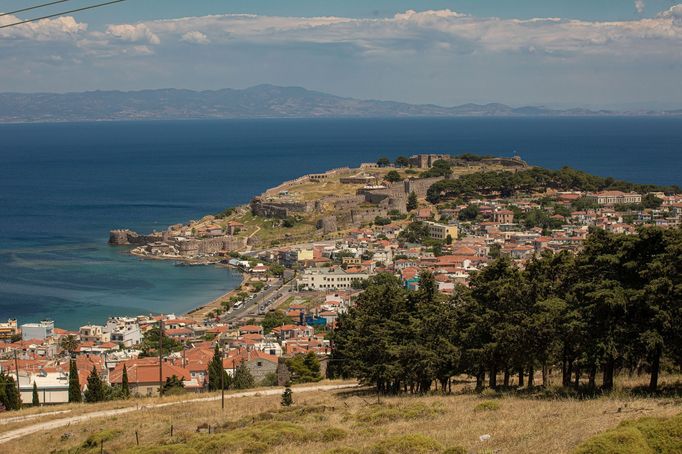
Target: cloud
<point>138,33</point>
<point>639,6</point>
<point>195,37</point>
<point>59,29</point>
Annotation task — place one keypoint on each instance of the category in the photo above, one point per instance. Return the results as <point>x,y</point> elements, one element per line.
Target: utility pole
<point>222,382</point>
<point>161,357</point>
<point>16,369</point>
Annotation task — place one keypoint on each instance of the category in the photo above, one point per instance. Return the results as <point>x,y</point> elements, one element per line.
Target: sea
<point>64,186</point>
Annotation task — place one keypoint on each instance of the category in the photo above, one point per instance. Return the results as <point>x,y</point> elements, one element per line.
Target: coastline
<point>199,313</point>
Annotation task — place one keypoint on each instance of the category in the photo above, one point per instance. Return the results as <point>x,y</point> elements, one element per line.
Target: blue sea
<point>64,186</point>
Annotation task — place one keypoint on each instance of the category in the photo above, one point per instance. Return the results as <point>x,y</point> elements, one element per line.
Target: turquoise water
<point>64,186</point>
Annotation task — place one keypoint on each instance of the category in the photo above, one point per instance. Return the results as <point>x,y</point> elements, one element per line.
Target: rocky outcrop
<point>125,237</point>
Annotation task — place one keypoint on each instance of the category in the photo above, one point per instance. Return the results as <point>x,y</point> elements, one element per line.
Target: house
<point>93,333</point>
<point>503,216</point>
<point>250,329</point>
<point>288,331</point>
<point>143,375</point>
<point>8,330</point>
<point>259,364</point>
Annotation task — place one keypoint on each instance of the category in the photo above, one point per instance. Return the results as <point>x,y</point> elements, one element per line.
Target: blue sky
<point>593,53</point>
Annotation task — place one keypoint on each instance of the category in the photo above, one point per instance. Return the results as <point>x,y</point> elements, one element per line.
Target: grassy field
<point>353,421</point>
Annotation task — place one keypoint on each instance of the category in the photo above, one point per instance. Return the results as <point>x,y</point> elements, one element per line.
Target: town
<point>306,249</point>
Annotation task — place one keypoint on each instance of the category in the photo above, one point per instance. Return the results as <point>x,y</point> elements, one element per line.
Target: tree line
<point>533,179</point>
<point>614,306</point>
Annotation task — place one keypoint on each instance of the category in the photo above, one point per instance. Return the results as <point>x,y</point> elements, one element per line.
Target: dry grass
<point>348,422</point>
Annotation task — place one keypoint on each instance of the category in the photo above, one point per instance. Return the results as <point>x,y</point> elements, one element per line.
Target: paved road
<point>56,423</point>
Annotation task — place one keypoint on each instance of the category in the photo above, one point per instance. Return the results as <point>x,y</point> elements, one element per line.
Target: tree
<point>412,202</point>
<point>96,391</point>
<point>35,400</point>
<point>393,176</point>
<point>216,370</point>
<point>469,213</point>
<point>69,343</point>
<point>173,385</point>
<point>125,387</point>
<point>277,270</point>
<point>383,162</point>
<point>10,398</point>
<point>287,398</point>
<point>651,201</point>
<point>402,161</point>
<point>439,168</point>
<point>150,344</point>
<point>75,394</point>
<point>274,319</point>
<point>304,368</point>
<point>242,378</point>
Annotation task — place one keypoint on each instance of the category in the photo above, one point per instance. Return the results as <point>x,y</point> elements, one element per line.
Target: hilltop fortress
<point>311,207</point>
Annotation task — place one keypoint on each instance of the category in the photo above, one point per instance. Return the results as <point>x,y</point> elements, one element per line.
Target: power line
<point>33,7</point>
<point>62,13</point>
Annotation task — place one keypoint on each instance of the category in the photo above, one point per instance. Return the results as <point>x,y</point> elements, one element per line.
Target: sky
<point>623,54</point>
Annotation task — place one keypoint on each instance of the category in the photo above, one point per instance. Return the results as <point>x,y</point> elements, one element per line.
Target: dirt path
<point>49,425</point>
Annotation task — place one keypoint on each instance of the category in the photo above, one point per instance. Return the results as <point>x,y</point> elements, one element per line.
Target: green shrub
<point>640,436</point>
<point>344,450</point>
<point>94,440</point>
<point>488,405</point>
<point>455,450</point>
<point>332,434</point>
<point>407,444</point>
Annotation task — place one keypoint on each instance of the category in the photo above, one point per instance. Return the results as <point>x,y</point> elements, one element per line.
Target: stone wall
<point>328,224</point>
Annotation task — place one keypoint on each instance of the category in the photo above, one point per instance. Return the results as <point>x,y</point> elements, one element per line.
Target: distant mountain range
<point>261,101</point>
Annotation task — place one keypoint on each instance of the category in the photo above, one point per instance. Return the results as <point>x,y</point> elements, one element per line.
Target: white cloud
<point>61,28</point>
<point>195,37</point>
<point>138,33</point>
<point>639,6</point>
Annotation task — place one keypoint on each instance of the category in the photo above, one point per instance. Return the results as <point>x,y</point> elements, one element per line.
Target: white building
<point>53,387</point>
<point>93,333</point>
<point>329,279</point>
<point>615,198</point>
<point>40,331</point>
<point>124,330</point>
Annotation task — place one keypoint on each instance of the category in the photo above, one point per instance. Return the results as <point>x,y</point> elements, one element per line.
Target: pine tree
<point>412,202</point>
<point>95,391</point>
<point>287,399</point>
<point>74,384</point>
<point>36,400</point>
<point>9,394</point>
<point>243,378</point>
<point>215,369</point>
<point>125,387</point>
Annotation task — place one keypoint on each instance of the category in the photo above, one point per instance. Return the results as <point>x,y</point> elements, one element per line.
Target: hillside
<point>351,421</point>
<point>262,101</point>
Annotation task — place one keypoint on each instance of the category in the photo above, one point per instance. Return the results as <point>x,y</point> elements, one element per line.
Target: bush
<point>407,444</point>
<point>332,434</point>
<point>488,405</point>
<point>641,436</point>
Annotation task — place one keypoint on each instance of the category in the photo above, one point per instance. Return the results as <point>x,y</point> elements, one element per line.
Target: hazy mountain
<point>262,101</point>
